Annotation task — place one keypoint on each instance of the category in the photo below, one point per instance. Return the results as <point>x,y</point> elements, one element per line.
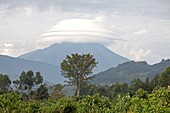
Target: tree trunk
<point>78,89</point>
<point>78,92</point>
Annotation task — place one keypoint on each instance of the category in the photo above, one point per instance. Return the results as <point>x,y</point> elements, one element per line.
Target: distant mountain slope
<point>128,71</point>
<point>14,66</point>
<point>57,52</point>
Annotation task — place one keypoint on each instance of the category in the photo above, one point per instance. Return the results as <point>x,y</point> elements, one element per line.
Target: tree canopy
<point>77,68</point>
<point>27,80</point>
<point>5,82</point>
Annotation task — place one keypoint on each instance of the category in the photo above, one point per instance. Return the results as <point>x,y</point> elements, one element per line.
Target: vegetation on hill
<point>128,71</point>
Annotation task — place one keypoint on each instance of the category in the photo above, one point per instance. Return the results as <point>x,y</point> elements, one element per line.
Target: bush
<point>95,104</point>
<point>9,102</point>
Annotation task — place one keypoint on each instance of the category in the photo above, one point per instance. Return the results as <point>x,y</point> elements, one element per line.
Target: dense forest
<point>29,93</point>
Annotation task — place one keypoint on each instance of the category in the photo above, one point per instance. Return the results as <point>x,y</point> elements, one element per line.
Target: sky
<point>136,29</point>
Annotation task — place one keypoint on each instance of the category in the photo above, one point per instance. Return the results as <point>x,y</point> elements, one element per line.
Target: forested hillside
<point>128,71</point>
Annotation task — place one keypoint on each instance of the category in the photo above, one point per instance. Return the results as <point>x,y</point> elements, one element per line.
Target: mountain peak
<point>55,53</point>
<point>76,44</point>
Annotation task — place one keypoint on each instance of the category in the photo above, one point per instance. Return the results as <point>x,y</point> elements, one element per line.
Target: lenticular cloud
<point>79,30</point>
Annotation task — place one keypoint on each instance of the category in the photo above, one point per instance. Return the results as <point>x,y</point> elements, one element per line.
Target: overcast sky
<point>136,29</point>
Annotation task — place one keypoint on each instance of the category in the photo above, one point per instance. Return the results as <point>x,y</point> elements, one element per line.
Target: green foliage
<point>140,93</point>
<point>13,103</point>
<point>77,68</point>
<point>147,86</point>
<point>48,107</point>
<point>164,78</point>
<point>42,92</point>
<point>135,85</point>
<point>160,100</point>
<point>57,87</point>
<point>38,78</point>
<point>30,107</point>
<point>5,82</point>
<point>66,105</point>
<point>157,102</point>
<point>141,97</point>
<point>118,89</point>
<point>142,102</point>
<point>10,102</point>
<point>128,71</point>
<point>56,96</point>
<point>92,89</point>
<point>122,104</point>
<point>95,104</point>
<point>56,92</point>
<point>27,80</point>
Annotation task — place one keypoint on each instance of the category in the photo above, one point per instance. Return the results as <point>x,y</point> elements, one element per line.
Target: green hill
<point>128,71</point>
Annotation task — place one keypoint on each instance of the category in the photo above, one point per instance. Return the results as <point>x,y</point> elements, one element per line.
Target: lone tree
<point>77,68</point>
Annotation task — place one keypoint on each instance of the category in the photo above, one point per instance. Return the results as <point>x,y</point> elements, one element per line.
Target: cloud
<point>138,54</point>
<point>142,31</point>
<point>79,30</point>
<point>153,8</point>
<point>8,45</point>
<point>143,24</point>
<point>17,47</point>
<point>6,51</point>
<point>28,11</point>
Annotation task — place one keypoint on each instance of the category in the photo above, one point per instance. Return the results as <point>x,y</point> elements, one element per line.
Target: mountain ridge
<point>14,66</point>
<point>124,72</point>
<point>128,71</point>
<point>55,53</point>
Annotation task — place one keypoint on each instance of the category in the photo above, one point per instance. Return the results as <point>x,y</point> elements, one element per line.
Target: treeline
<point>142,102</point>
<point>28,84</point>
<point>159,80</point>
<point>29,94</point>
